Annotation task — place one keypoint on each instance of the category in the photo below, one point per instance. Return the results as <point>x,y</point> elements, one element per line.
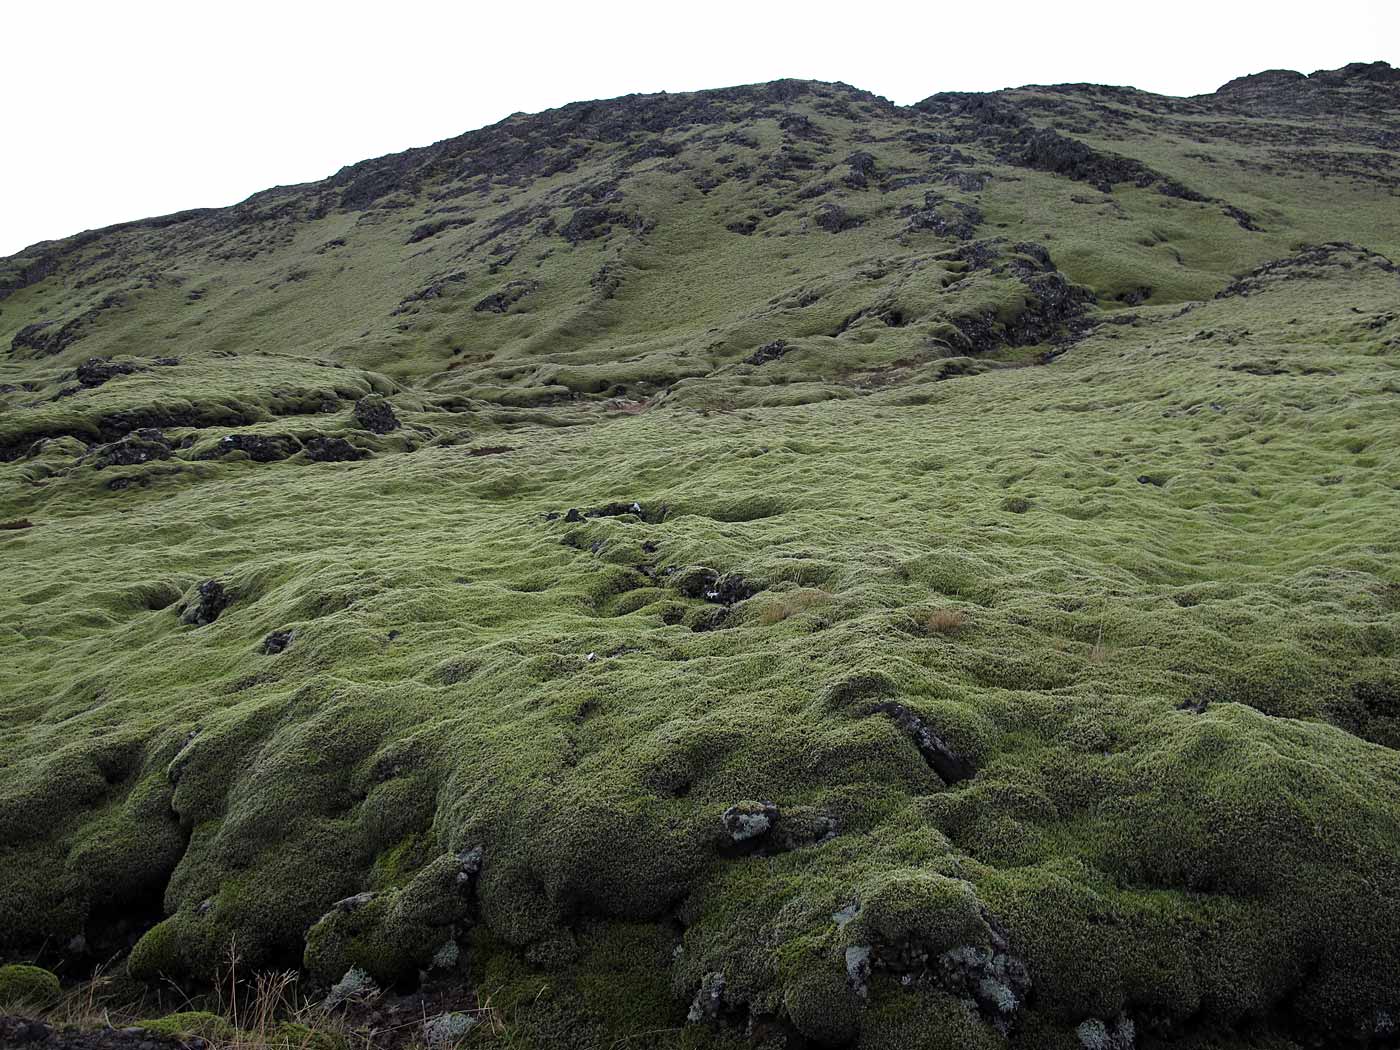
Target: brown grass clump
<point>790,604</point>
<point>946,622</point>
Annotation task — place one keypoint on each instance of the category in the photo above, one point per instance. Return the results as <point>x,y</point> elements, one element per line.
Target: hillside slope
<point>755,567</point>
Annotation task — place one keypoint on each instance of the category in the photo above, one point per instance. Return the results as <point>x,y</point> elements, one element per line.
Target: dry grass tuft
<point>790,604</point>
<point>947,622</point>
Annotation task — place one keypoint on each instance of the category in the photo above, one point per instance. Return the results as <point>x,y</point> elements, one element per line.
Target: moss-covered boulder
<point>394,934</point>
<point>31,986</point>
<point>192,1023</point>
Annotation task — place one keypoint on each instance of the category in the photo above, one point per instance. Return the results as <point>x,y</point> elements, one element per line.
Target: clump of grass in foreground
<point>242,1012</point>
<point>947,622</point>
<point>23,986</point>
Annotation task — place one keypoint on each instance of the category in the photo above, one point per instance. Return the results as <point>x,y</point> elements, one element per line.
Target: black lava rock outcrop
<point>1356,88</point>
<point>19,1033</point>
<point>324,448</point>
<point>375,414</point>
<point>769,352</point>
<point>211,599</point>
<point>709,585</point>
<point>276,642</point>
<point>950,766</point>
<point>260,448</point>
<point>589,223</point>
<point>833,218</point>
<point>436,290</point>
<point>97,370</point>
<point>140,446</point>
<point>749,820</point>
<point>943,218</point>
<point>500,302</point>
<point>1310,261</point>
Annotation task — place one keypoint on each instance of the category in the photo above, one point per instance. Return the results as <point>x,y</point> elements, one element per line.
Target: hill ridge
<point>1379,72</point>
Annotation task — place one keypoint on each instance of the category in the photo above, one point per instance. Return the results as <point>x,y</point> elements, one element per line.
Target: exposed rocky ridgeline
<point>1361,88</point>
<point>758,567</point>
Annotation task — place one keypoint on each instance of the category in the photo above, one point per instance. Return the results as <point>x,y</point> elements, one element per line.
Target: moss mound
<point>27,986</point>
<point>192,1023</point>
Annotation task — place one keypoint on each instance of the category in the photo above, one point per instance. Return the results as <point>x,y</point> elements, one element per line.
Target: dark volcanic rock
<point>943,218</point>
<point>1055,311</point>
<point>51,337</point>
<point>1310,261</point>
<point>620,509</point>
<point>97,370</point>
<point>34,337</point>
<point>140,446</point>
<point>328,449</point>
<point>700,581</point>
<point>606,281</point>
<point>276,642</point>
<point>1245,220</point>
<point>500,302</point>
<point>589,223</point>
<point>375,414</point>
<point>752,827</point>
<point>1356,88</point>
<point>968,181</point>
<point>987,977</point>
<point>941,758</point>
<point>260,448</point>
<point>833,218</point>
<point>862,170</point>
<point>1268,85</point>
<point>210,600</point>
<point>1118,1034</point>
<point>986,110</point>
<point>1048,150</point>
<point>717,1006</point>
<point>652,515</point>
<point>432,229</point>
<point>996,981</point>
<point>442,286</point>
<point>20,1032</point>
<point>745,821</point>
<point>768,352</point>
<point>1055,305</point>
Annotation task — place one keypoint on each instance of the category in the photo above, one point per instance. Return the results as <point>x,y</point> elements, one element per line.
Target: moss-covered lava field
<point>756,568</point>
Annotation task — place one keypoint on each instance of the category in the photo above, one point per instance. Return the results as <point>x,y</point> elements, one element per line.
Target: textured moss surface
<point>23,986</point>
<point>1029,612</point>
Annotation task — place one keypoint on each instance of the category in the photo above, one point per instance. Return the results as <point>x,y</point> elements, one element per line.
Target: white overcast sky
<point>121,110</point>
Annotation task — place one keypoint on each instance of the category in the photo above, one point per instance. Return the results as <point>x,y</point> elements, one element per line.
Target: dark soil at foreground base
<point>19,1033</point>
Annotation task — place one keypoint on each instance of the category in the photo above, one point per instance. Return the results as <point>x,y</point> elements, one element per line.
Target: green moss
<point>933,910</point>
<point>198,1023</point>
<point>285,1035</point>
<point>296,1036</point>
<point>925,1020</point>
<point>395,934</point>
<point>27,986</point>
